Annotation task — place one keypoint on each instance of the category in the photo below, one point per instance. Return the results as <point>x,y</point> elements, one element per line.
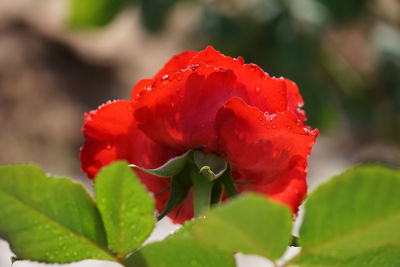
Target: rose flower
<point>205,101</point>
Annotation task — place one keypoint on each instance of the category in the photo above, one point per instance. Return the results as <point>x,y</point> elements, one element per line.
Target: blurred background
<point>61,58</point>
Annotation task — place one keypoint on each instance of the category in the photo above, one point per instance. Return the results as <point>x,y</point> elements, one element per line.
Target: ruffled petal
<point>179,110</point>
<point>295,101</point>
<point>177,63</point>
<point>111,133</point>
<point>267,152</point>
<point>269,94</point>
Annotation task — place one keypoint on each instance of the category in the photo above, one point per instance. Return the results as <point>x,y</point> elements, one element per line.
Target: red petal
<point>266,93</point>
<point>266,151</point>
<point>111,134</point>
<point>177,63</point>
<point>295,101</point>
<point>179,110</point>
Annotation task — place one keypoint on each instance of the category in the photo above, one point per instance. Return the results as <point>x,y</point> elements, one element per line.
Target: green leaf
<point>350,218</point>
<point>179,252</point>
<point>171,168</point>
<point>125,206</point>
<point>94,13</point>
<point>185,230</point>
<point>48,219</point>
<point>250,224</point>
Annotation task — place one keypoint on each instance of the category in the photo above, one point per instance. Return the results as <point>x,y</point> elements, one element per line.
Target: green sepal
<point>229,186</point>
<point>180,185</point>
<point>209,165</point>
<point>171,168</point>
<point>216,192</point>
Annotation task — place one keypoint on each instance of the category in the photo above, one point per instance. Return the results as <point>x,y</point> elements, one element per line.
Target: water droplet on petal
<point>258,89</point>
<point>179,76</point>
<point>274,126</point>
<point>108,147</point>
<point>252,68</point>
<point>165,79</point>
<point>194,67</point>
<point>270,117</point>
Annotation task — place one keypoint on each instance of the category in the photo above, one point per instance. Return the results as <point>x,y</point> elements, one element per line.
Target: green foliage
<point>353,220</point>
<point>343,10</point>
<point>250,224</point>
<point>125,206</point>
<point>48,219</point>
<point>93,13</point>
<point>179,252</point>
<point>154,13</point>
<point>350,221</point>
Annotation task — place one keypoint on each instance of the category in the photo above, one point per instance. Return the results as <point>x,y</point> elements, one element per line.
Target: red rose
<point>213,103</point>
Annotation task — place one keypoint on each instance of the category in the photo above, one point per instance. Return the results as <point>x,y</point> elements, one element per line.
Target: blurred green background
<point>344,56</point>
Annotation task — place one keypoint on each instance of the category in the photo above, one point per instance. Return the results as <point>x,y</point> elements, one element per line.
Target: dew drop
<point>270,117</point>
<point>165,79</point>
<point>262,124</point>
<point>252,68</point>
<point>260,118</point>
<point>258,89</point>
<point>274,126</point>
<point>108,147</point>
<point>194,67</point>
<point>179,76</point>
